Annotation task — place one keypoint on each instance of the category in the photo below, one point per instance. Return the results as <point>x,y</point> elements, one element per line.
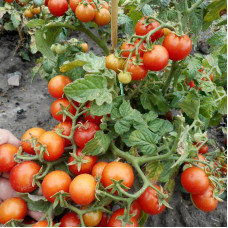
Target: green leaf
<point>15,18</point>
<point>207,107</point>
<point>150,116</point>
<point>153,170</point>
<point>115,113</point>
<point>125,108</point>
<point>71,65</point>
<point>146,102</point>
<point>88,89</point>
<point>158,99</point>
<point>167,172</point>
<point>127,23</point>
<point>98,145</point>
<point>35,70</point>
<point>222,108</point>
<point>100,110</point>
<point>222,63</point>
<point>193,67</point>
<point>147,10</point>
<point>142,219</point>
<point>144,140</point>
<point>161,126</point>
<point>219,38</point>
<point>216,119</point>
<point>196,20</point>
<point>75,73</point>
<point>9,26</point>
<point>35,23</point>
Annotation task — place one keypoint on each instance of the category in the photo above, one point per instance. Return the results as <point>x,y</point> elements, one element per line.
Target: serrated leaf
<point>125,108</point>
<point>146,102</point>
<point>207,107</point>
<point>35,23</point>
<point>222,63</point>
<point>75,73</point>
<point>147,10</point>
<point>98,145</point>
<point>193,67</point>
<point>167,172</point>
<point>219,38</point>
<point>16,19</point>
<point>150,116</point>
<point>144,140</point>
<point>158,99</point>
<point>161,126</point>
<point>71,65</point>
<point>88,89</point>
<point>125,21</point>
<point>153,170</point>
<point>222,108</point>
<point>196,20</point>
<point>100,110</point>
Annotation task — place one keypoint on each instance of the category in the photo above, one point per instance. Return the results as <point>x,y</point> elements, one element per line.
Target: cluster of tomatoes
<point>195,180</point>
<point>137,57</point>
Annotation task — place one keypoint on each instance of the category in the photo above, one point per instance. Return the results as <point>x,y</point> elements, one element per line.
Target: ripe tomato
<point>66,127</point>
<point>141,49</point>
<point>143,27</point>
<point>135,209</point>
<point>98,169</point>
<point>84,47</point>
<point>54,144</point>
<point>201,69</point>
<point>149,202</point>
<point>70,220</point>
<point>195,180</point>
<point>35,132</point>
<point>203,149</point>
<point>21,176</point>
<point>127,46</point>
<point>224,168</point>
<point>114,63</point>
<point>7,152</point>
<point>114,222</point>
<point>178,47</point>
<point>46,2</point>
<point>56,107</point>
<point>92,218</point>
<point>117,171</point>
<point>85,13</point>
<point>94,119</point>
<point>156,59</point>
<point>105,5</point>
<point>104,220</point>
<point>138,70</point>
<point>58,7</point>
<point>54,182</point>
<point>191,84</point>
<point>21,4</point>
<point>82,189</point>
<point>12,208</point>
<point>124,77</point>
<point>74,4</point>
<point>57,84</point>
<point>201,158</point>
<point>42,223</point>
<point>102,17</point>
<point>85,167</point>
<point>205,201</point>
<point>28,13</point>
<point>9,1</point>
<point>212,77</point>
<point>35,10</point>
<point>85,133</point>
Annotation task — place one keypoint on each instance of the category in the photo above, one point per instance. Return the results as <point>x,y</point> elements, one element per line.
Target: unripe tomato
<point>35,10</point>
<point>58,7</point>
<point>7,153</point>
<point>70,219</point>
<point>74,4</point>
<point>124,77</point>
<point>114,63</point>
<point>92,218</point>
<point>34,132</point>
<point>28,13</point>
<point>98,168</point>
<point>54,182</point>
<point>84,47</point>
<point>82,189</point>
<point>178,47</point>
<point>12,208</point>
<point>66,130</point>
<point>60,49</point>
<point>85,13</point>
<point>166,31</point>
<point>43,223</point>
<point>102,17</point>
<point>57,84</point>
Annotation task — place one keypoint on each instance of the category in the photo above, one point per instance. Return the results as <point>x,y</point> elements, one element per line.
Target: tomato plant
<point>58,7</point>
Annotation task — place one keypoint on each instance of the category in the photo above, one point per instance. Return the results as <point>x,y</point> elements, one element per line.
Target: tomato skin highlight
<point>54,143</point>
<point>12,208</point>
<point>7,153</point>
<point>85,13</point>
<point>117,171</point>
<point>114,222</point>
<point>57,84</point>
<point>98,169</point>
<point>205,201</point>
<point>194,180</point>
<point>178,47</point>
<point>70,219</point>
<point>88,117</point>
<point>66,126</point>
<point>156,59</point>
<point>149,202</point>
<point>21,176</point>
<point>54,182</point>
<point>35,132</point>
<point>57,7</point>
<point>82,189</point>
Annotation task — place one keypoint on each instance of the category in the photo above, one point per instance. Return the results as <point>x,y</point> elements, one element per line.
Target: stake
<point>114,24</point>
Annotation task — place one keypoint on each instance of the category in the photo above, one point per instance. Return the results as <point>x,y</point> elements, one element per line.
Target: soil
<point>28,106</point>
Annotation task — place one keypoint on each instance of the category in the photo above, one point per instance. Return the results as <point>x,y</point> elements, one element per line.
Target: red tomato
<point>82,189</point>
<point>70,220</point>
<point>102,17</point>
<point>85,13</point>
<point>54,182</point>
<point>12,208</point>
<point>142,28</point>
<point>156,59</point>
<point>88,117</point>
<point>56,107</point>
<point>85,167</point>
<point>135,209</point>
<point>201,69</point>
<point>224,168</point>
<point>141,48</point>
<point>42,223</point>
<point>114,222</point>
<point>66,127</point>
<point>191,84</point>
<point>117,171</point>
<point>9,1</point>
<point>35,132</point>
<point>85,133</point>
<point>54,144</point>
<point>195,180</point>
<point>21,176</point>
<point>7,152</point>
<point>104,220</point>
<point>205,201</point>
<point>138,70</point>
<point>21,4</point>
<point>178,47</point>
<point>203,149</point>
<point>74,4</point>
<point>57,84</point>
<point>58,7</point>
<point>127,46</point>
<point>98,168</point>
<point>46,2</point>
<point>149,202</point>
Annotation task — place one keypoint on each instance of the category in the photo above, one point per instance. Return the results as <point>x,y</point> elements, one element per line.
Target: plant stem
<point>194,6</point>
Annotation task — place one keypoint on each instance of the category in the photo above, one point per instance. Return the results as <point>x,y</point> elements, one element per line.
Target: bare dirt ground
<point>29,104</point>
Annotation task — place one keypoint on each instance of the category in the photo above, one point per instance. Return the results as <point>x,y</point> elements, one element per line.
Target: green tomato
<point>60,49</point>
<point>38,2</point>
<point>124,77</point>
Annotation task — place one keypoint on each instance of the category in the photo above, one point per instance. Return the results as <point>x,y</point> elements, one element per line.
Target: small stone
<point>14,78</point>
<point>19,112</point>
